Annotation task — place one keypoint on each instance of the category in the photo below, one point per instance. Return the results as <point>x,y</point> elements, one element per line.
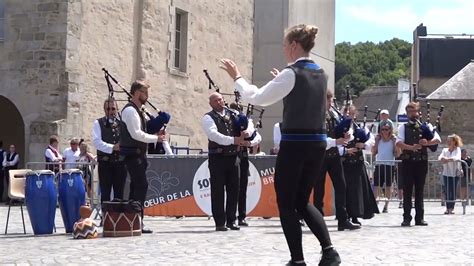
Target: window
<point>2,20</point>
<point>180,45</point>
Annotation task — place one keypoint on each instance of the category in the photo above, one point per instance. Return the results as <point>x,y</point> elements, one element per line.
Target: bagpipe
<point>426,132</point>
<point>154,124</point>
<point>239,119</point>
<point>346,122</point>
<point>360,133</point>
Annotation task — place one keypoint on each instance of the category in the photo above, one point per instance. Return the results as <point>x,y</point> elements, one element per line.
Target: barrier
<point>388,181</point>
<point>94,193</point>
<point>179,186</point>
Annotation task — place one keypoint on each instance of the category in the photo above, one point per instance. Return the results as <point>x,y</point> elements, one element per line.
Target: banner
<point>180,185</point>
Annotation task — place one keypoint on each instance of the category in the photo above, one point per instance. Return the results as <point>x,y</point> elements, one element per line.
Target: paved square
<point>192,241</point>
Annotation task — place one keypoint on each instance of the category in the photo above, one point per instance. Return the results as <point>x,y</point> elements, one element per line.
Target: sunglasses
<point>111,108</point>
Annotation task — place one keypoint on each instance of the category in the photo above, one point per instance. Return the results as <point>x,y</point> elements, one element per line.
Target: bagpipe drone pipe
<point>240,120</point>
<point>154,124</point>
<point>428,131</point>
<point>345,122</point>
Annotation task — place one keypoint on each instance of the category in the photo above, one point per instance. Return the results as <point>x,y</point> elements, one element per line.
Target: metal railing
<point>386,179</point>
<point>93,195</point>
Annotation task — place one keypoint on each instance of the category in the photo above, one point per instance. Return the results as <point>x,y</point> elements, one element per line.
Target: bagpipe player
<point>134,140</point>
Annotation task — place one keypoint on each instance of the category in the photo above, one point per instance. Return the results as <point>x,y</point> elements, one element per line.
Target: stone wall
<point>132,40</point>
<point>100,34</point>
<point>32,72</point>
<point>456,119</point>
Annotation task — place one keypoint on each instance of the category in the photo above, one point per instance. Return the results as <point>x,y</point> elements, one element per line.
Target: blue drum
<point>41,198</point>
<point>72,195</point>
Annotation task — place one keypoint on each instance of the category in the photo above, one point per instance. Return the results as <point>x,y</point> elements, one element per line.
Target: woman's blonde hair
<point>302,34</point>
<point>456,139</point>
<point>84,148</point>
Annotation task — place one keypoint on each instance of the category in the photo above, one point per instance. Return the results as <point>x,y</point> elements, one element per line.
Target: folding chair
<point>16,191</point>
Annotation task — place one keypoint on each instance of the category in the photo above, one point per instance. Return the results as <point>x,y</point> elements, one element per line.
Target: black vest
<point>304,108</point>
<point>156,149</point>
<point>110,133</point>
<point>2,153</point>
<point>10,157</point>
<point>128,145</point>
<point>357,157</point>
<point>226,127</point>
<point>413,136</point>
<point>51,167</point>
<point>331,122</point>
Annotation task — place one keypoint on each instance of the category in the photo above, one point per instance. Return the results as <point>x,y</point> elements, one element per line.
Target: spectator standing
<point>71,154</point>
<point>466,168</point>
<point>450,158</point>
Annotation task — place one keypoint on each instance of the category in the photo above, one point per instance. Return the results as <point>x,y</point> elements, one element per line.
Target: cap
<point>384,111</point>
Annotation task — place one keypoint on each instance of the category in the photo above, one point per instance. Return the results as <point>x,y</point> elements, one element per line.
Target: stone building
<point>442,69</point>
<point>52,53</point>
<point>457,96</point>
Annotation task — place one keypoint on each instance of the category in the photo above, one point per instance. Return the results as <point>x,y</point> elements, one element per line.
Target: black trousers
<point>6,175</point>
<point>224,172</point>
<point>2,177</point>
<point>112,175</point>
<point>333,166</point>
<point>298,165</point>
<point>243,183</point>
<point>414,173</point>
<point>136,167</point>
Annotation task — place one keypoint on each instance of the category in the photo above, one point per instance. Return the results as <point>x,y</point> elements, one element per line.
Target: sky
<point>381,20</point>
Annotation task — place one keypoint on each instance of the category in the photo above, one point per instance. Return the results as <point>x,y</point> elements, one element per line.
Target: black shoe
<point>233,227</point>
<point>406,223</point>
<point>356,221</point>
<point>421,223</point>
<point>243,223</point>
<point>146,230</point>
<point>221,228</point>
<point>302,222</point>
<point>330,257</point>
<point>292,263</point>
<point>341,226</point>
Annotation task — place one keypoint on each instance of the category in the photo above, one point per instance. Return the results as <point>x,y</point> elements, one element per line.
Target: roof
<point>378,97</point>
<point>458,87</point>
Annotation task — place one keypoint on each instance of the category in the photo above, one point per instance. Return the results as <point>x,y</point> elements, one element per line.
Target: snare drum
<point>122,218</point>
<point>41,199</point>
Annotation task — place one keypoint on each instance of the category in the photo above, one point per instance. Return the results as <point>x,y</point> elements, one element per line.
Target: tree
<point>367,64</point>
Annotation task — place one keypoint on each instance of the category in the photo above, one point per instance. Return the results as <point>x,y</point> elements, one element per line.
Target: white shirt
<point>166,147</point>
<point>276,135</point>
<point>449,168</point>
<point>6,163</point>
<point>385,152</point>
<point>251,129</point>
<point>97,139</point>
<point>49,154</point>
<point>132,119</point>
<point>210,128</point>
<point>71,156</point>
<point>271,92</point>
<point>401,133</point>
<point>369,143</point>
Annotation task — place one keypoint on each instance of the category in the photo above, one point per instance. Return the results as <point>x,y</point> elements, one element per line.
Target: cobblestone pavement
<point>193,241</point>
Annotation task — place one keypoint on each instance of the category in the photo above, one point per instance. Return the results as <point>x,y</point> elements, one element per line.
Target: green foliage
<point>367,64</point>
